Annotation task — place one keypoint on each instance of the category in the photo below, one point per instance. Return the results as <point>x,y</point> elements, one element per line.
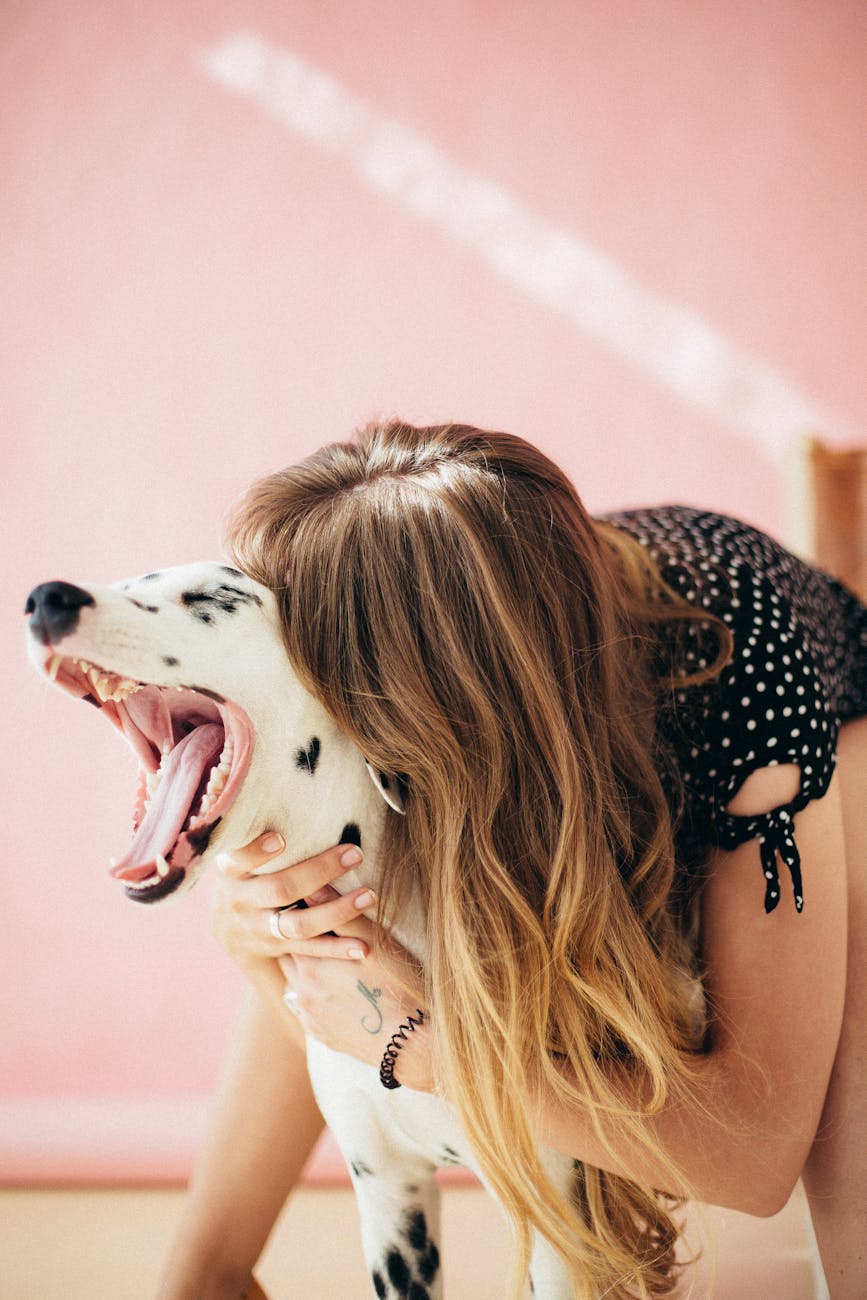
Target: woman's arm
<point>776,986</point>
<point>264,1125</point>
<point>741,1134</point>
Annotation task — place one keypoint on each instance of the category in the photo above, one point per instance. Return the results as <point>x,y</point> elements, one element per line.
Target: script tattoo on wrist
<point>372,996</point>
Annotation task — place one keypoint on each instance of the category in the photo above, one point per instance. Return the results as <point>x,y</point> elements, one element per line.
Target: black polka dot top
<point>797,671</point>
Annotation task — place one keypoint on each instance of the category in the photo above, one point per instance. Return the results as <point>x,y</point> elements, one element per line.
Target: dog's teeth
<point>163,867</point>
<point>143,884</point>
<point>216,784</point>
<point>54,666</point>
<point>152,779</point>
<point>101,684</point>
<point>124,689</point>
<point>219,776</point>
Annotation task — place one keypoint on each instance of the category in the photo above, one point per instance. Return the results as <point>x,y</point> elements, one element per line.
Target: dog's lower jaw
<point>156,893</point>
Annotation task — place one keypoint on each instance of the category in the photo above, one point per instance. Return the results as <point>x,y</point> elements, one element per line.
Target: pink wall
<point>637,234</point>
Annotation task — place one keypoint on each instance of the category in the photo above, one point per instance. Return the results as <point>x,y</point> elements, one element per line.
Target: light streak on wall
<point>675,346</point>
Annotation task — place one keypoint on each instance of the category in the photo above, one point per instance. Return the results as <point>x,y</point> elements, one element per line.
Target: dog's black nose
<point>53,607</point>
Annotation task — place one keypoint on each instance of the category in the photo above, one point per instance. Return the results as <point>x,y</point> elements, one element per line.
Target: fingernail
<point>272,842</point>
<point>365,900</point>
<point>351,857</point>
<point>357,954</point>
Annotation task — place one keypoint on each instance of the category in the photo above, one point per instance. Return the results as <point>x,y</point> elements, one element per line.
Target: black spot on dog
<point>351,834</point>
<point>149,577</point>
<point>148,609</point>
<point>203,690</point>
<point>224,598</point>
<point>91,699</point>
<point>416,1229</point>
<point>201,838</point>
<point>379,1285</point>
<point>235,573</point>
<point>417,1292</point>
<point>398,1270</point>
<point>450,1157</point>
<point>428,1263</point>
<point>307,758</point>
<point>245,597</point>
<point>360,1169</point>
<point>171,662</point>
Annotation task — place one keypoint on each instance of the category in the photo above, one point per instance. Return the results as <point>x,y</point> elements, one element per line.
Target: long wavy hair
<point>446,596</point>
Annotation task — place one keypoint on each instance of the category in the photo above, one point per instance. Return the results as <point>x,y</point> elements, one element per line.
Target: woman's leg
<point>835,1175</point>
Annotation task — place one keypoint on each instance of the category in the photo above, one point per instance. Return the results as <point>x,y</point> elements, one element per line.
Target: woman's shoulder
<point>798,668</point>
<point>775,603</point>
<point>704,539</point>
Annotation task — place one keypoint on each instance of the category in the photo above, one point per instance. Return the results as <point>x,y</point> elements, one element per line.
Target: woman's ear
<point>392,788</point>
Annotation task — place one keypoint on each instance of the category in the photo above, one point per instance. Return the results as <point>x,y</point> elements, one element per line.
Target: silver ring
<point>274,925</point>
<point>293,1001</point>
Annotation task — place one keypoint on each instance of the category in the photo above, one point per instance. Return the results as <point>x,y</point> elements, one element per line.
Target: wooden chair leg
<point>838,486</point>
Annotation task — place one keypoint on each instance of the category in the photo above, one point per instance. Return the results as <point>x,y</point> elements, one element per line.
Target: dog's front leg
<point>390,1142</point>
<point>400,1228</point>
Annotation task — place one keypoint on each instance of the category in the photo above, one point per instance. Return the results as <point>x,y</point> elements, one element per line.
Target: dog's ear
<point>392,788</point>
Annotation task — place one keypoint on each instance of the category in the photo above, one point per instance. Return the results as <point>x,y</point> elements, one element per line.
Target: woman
<point>617,741</point>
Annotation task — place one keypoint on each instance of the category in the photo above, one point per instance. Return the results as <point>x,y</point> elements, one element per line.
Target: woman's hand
<point>355,1008</point>
<point>346,982</point>
<point>246,908</point>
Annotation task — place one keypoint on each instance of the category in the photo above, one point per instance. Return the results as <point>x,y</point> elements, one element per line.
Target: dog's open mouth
<point>194,749</point>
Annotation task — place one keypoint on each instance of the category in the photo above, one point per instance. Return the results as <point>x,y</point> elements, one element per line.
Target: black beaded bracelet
<point>395,1043</point>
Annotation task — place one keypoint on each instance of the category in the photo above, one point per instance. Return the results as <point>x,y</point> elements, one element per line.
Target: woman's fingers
<point>288,885</point>
<point>262,908</point>
<point>240,862</point>
<point>296,925</point>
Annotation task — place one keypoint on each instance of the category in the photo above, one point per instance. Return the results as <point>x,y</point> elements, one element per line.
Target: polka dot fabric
<point>798,669</point>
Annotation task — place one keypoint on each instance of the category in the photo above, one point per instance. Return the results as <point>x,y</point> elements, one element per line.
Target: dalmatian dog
<point>188,664</point>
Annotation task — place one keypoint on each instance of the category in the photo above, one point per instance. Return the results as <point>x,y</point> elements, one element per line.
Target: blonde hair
<point>446,596</point>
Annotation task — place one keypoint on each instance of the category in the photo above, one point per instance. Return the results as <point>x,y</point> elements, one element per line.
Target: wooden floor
<point>108,1245</point>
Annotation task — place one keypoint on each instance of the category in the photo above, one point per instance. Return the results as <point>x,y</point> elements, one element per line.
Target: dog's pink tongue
<point>161,825</point>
